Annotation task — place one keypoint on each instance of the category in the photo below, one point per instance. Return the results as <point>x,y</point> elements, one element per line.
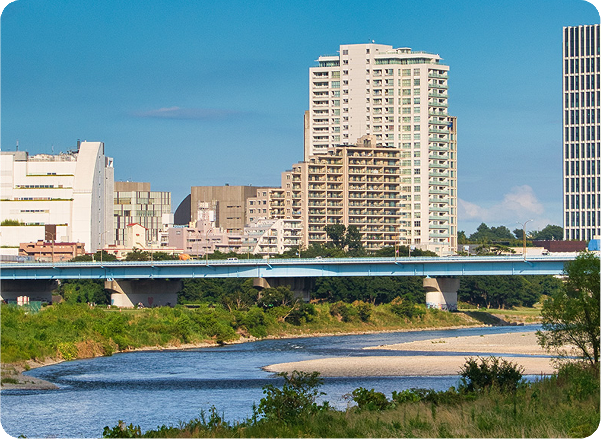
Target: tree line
<point>502,234</point>
<point>502,292</point>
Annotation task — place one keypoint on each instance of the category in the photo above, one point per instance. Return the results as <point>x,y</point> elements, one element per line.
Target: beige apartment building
<point>397,95</point>
<point>399,181</point>
<point>375,189</point>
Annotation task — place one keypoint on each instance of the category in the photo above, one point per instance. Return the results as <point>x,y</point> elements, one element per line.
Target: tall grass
<point>566,405</point>
<point>554,407</point>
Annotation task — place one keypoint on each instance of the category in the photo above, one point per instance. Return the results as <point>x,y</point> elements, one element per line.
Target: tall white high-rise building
<point>399,98</point>
<point>582,132</point>
<point>394,94</point>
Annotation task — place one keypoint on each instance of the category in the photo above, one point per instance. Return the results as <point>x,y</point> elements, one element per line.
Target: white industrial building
<point>72,191</point>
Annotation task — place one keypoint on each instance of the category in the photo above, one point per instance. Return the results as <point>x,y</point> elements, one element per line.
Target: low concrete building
<point>228,202</point>
<point>562,246</point>
<point>134,202</point>
<point>203,236</point>
<point>267,237</point>
<point>43,251</point>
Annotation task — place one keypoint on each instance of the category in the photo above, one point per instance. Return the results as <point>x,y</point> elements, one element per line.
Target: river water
<point>152,388</point>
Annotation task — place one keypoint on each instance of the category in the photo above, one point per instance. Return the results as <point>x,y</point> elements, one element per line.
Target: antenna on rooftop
<point>17,145</point>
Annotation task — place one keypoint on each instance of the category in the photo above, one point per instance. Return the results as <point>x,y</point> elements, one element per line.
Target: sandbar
<point>520,348</point>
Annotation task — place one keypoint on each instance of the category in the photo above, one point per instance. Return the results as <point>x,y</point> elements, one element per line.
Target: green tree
<point>376,290</point>
<point>571,316</point>
<point>336,234</point>
<point>490,372</point>
<point>345,239</point>
<point>84,291</point>
<point>81,258</point>
<point>211,291</point>
<point>548,233</point>
<point>105,256</point>
<point>164,256</point>
<point>98,256</point>
<point>279,296</point>
<point>241,297</point>
<point>137,255</point>
<point>486,234</point>
<point>490,249</point>
<point>385,252</point>
<point>496,291</point>
<point>352,241</point>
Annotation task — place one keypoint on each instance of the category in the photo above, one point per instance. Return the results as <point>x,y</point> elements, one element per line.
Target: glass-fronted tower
<point>582,132</point>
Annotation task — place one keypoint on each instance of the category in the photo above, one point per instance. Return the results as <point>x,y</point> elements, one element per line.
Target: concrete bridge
<point>157,283</point>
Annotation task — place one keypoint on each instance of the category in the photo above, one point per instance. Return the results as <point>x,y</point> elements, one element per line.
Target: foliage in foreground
<point>571,316</point>
<point>295,398</point>
<point>562,405</point>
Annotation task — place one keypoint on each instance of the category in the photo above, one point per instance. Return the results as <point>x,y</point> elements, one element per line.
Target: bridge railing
<point>304,261</point>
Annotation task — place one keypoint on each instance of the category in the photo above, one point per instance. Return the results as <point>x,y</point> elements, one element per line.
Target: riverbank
<point>14,379</point>
<point>508,345</point>
<point>520,348</point>
<point>105,332</point>
<point>75,331</point>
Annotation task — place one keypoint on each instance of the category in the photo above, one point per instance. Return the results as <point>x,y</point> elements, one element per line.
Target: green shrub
<point>579,379</point>
<point>363,310</point>
<point>295,398</point>
<point>370,399</point>
<point>449,396</point>
<point>122,430</point>
<point>490,372</point>
<point>67,351</point>
<point>254,320</point>
<point>402,307</point>
<point>302,313</point>
<point>342,310</point>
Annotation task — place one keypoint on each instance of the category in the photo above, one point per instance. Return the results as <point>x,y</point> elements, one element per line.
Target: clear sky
<point>191,93</point>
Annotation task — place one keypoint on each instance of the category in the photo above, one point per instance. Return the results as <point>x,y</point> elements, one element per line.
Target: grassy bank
<point>563,405</point>
<point>69,331</point>
<point>517,315</point>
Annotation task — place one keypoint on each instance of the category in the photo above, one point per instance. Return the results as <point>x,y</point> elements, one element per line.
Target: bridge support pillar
<point>148,292</point>
<point>441,293</point>
<point>36,290</point>
<point>300,286</point>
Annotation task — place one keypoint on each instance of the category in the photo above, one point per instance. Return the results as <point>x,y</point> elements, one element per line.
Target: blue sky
<point>192,93</point>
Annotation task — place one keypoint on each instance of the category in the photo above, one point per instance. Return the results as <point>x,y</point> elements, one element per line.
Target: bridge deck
<point>414,266</point>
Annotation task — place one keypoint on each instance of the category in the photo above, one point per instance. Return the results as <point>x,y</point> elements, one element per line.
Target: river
<point>152,388</point>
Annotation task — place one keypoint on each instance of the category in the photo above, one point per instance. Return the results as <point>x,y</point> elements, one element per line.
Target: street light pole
<point>524,236</point>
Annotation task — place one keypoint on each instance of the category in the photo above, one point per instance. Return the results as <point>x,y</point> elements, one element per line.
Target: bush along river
<point>152,388</point>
